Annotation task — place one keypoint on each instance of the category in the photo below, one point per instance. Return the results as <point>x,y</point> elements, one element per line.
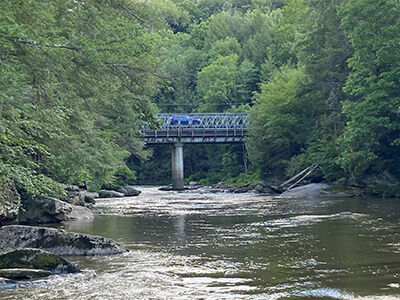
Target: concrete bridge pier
<point>177,166</point>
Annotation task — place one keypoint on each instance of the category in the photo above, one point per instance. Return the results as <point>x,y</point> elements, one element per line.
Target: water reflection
<point>224,246</point>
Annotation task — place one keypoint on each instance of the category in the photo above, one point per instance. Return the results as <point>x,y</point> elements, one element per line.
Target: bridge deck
<point>213,128</point>
<point>195,135</point>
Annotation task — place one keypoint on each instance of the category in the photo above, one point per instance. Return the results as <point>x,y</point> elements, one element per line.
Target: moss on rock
<point>36,259</point>
<point>56,241</point>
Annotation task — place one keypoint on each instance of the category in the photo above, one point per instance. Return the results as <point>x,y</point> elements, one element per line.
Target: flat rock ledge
<point>56,241</point>
<point>21,274</point>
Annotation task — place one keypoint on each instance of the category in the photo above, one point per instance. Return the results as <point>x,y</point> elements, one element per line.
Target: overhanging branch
<point>38,44</point>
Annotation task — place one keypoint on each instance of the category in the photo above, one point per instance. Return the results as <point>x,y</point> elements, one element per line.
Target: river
<point>203,245</point>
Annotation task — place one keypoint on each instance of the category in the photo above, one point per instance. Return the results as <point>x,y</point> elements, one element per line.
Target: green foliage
<point>369,143</point>
<point>383,191</point>
<point>288,31</point>
<point>29,183</point>
<point>75,86</point>
<point>323,49</point>
<point>321,78</point>
<point>231,165</point>
<point>225,47</point>
<point>78,79</point>
<point>281,120</point>
<point>217,83</point>
<point>249,179</point>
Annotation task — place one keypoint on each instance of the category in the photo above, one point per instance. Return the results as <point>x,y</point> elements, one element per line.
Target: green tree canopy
<point>75,86</point>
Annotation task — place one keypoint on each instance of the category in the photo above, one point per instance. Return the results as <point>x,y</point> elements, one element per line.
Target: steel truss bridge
<point>213,128</point>
<point>207,128</point>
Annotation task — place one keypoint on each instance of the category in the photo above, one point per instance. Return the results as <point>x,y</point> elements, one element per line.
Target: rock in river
<point>43,210</point>
<point>312,190</point>
<point>129,191</point>
<point>110,194</point>
<point>89,197</point>
<point>56,241</point>
<point>33,259</point>
<point>19,274</point>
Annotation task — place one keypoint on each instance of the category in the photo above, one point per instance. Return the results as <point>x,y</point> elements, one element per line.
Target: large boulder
<point>42,210</point>
<point>10,201</point>
<point>89,197</point>
<point>312,190</point>
<point>56,241</point>
<point>110,194</point>
<point>73,195</point>
<point>81,198</point>
<point>45,210</point>
<point>269,186</point>
<point>35,259</point>
<point>129,191</point>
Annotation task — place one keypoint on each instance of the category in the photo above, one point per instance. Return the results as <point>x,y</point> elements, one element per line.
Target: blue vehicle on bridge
<point>183,120</point>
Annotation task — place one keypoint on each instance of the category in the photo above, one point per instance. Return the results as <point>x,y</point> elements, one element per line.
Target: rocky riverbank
<point>383,185</point>
<point>29,252</point>
<point>312,190</point>
<point>76,205</point>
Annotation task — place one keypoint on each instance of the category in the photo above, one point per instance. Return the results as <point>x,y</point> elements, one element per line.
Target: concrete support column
<point>177,166</point>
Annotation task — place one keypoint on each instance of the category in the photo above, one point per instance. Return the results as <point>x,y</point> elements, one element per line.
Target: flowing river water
<point>203,245</point>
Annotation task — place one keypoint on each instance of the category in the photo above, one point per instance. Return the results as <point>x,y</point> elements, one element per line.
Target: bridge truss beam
<point>212,128</point>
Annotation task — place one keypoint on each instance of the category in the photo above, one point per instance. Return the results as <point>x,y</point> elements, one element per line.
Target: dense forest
<point>320,81</point>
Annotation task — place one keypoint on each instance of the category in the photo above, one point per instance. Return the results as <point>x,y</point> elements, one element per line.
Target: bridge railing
<point>198,128</point>
<point>207,120</point>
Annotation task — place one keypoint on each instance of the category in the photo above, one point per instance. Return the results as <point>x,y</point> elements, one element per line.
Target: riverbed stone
<point>56,241</point>
<point>110,194</point>
<point>30,258</point>
<point>129,191</point>
<point>20,274</point>
<point>241,191</point>
<point>166,188</point>
<point>10,201</point>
